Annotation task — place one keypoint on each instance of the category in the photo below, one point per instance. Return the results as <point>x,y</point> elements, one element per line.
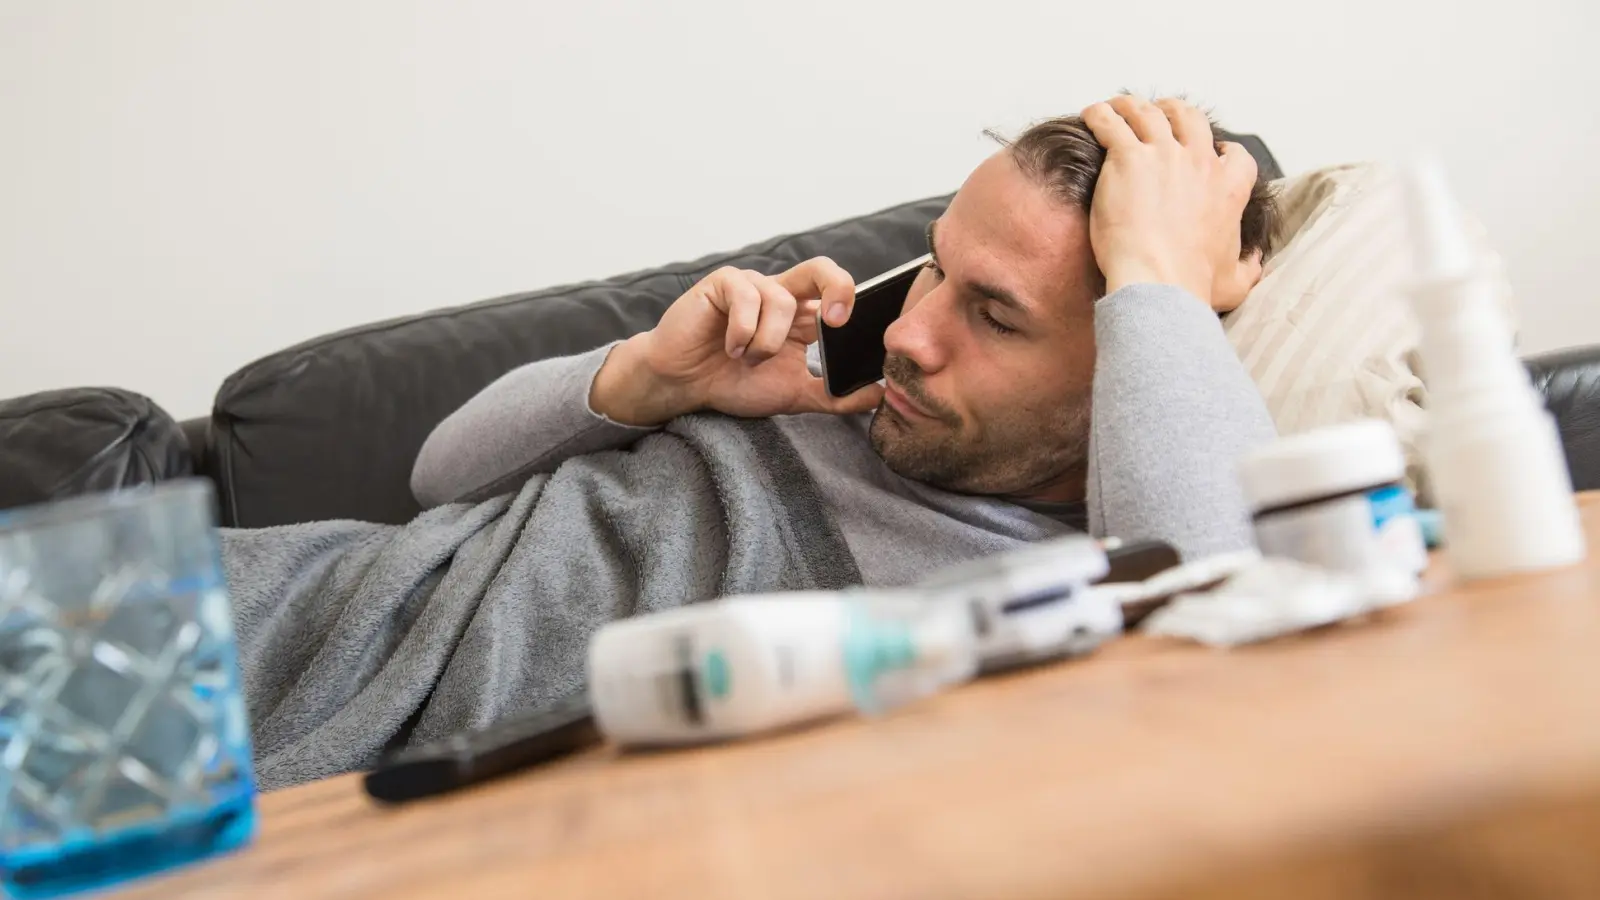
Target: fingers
<point>1189,125</point>
<point>866,399</point>
<point>822,278</point>
<point>1110,129</point>
<point>804,328</point>
<point>1239,170</point>
<point>817,399</point>
<point>767,311</point>
<point>778,308</point>
<point>734,294</point>
<point>1148,122</point>
<point>1238,161</point>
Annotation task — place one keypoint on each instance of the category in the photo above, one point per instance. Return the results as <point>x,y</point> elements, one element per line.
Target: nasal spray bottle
<point>747,664</point>
<point>1492,451</point>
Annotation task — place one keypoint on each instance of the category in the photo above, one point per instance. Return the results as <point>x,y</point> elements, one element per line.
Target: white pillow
<point>1328,334</point>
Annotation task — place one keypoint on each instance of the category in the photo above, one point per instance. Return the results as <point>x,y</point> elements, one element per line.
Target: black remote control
<point>1139,561</point>
<point>539,735</point>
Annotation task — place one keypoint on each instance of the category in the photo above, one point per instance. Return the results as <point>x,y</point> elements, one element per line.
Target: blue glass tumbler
<point>124,746</point>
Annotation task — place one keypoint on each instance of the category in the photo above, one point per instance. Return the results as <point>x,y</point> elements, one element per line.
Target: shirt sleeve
<point>1173,414</point>
<point>529,421</point>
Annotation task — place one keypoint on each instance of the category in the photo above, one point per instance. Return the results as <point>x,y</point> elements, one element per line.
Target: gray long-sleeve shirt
<point>1172,412</point>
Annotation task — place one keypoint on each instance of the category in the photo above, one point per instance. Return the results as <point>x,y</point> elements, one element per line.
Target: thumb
<point>861,400</point>
<point>1237,284</point>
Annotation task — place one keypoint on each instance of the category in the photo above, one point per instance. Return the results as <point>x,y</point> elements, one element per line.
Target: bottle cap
<point>1443,250</point>
<point>1322,463</point>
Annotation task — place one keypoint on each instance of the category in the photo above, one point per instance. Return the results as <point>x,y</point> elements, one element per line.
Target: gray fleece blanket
<point>354,637</point>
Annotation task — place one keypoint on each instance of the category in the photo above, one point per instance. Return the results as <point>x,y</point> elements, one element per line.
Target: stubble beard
<point>1015,453</point>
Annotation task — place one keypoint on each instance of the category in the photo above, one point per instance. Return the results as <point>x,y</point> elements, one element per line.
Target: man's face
<point>990,362</point>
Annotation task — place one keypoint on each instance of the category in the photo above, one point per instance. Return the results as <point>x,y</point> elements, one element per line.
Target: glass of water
<point>124,747</point>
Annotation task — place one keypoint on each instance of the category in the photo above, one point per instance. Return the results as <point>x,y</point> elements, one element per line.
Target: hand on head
<point>1169,200</point>
<point>1166,207</point>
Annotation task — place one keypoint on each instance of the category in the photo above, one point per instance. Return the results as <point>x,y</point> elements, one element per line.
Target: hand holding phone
<point>735,343</point>
<point>853,353</point>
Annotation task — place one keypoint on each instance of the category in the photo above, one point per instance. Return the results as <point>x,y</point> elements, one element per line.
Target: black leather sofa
<point>328,429</point>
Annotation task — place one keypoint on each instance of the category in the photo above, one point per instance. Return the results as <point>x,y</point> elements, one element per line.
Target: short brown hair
<point>1063,154</point>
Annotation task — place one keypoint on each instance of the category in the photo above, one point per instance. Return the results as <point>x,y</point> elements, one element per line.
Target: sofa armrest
<point>1570,382</point>
<point>62,443</point>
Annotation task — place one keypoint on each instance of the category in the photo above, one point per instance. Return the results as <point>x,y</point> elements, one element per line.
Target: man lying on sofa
<point>1037,309</point>
<point>1060,366</point>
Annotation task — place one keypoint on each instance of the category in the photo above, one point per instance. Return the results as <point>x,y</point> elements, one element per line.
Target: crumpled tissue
<point>1274,596</point>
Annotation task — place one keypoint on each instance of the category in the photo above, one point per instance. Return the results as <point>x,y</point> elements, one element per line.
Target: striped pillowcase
<point>1328,334</point>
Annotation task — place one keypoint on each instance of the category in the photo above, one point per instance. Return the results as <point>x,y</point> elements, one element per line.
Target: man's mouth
<point>901,403</point>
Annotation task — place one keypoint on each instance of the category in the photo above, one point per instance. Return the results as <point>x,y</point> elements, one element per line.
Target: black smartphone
<point>853,354</point>
<point>539,735</point>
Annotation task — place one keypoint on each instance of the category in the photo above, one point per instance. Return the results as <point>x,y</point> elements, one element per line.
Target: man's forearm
<point>529,421</point>
<point>626,391</point>
<point>1174,410</point>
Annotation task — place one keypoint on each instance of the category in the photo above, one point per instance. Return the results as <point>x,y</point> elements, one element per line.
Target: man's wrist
<point>627,389</point>
<point>1122,274</point>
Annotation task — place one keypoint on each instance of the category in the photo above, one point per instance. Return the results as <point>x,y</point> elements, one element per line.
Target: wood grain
<point>1450,748</point>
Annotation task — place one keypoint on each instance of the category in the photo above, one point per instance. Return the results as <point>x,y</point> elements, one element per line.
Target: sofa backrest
<point>329,428</point>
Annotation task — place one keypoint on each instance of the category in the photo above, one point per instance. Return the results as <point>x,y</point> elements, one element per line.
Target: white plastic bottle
<point>1334,497</point>
<point>747,664</point>
<point>753,663</point>
<point>1493,452</point>
<point>1032,604</point>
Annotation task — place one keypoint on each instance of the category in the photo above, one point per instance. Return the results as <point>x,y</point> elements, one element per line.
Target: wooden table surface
<point>1450,748</point>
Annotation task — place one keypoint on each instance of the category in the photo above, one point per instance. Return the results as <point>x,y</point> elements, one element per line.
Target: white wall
<point>188,184</point>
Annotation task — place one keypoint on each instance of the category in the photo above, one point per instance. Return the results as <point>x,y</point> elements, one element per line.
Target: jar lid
<point>1322,463</point>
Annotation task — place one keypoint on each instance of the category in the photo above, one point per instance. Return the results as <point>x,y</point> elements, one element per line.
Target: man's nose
<point>919,335</point>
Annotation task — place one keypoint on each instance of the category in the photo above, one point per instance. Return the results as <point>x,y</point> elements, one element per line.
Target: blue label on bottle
<point>1399,533</point>
<point>1390,502</point>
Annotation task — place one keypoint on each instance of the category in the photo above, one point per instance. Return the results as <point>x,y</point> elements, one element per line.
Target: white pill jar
<point>1336,498</point>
